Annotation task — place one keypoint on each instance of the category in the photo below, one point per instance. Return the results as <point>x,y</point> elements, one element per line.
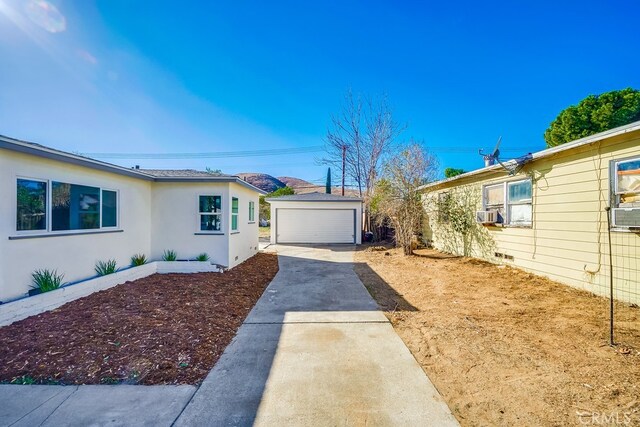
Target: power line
<point>208,155</point>
<point>262,153</point>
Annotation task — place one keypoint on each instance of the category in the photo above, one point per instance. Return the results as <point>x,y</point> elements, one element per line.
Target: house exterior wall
<point>74,255</point>
<point>357,206</point>
<point>567,240</point>
<point>152,216</point>
<point>243,244</point>
<point>175,221</point>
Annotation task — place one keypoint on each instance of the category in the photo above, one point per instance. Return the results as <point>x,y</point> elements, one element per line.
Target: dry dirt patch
<point>505,347</point>
<point>163,329</point>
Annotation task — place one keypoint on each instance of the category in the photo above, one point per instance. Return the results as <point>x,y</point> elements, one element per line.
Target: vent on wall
<point>504,256</point>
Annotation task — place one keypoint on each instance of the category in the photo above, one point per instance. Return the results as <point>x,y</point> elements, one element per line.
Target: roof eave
<point>61,156</point>
<point>48,153</point>
<point>204,179</point>
<point>277,199</point>
<point>631,127</point>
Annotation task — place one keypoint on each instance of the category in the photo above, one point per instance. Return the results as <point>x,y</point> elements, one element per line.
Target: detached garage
<point>316,218</point>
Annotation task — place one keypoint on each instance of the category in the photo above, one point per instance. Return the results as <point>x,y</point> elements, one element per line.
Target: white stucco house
<point>316,218</point>
<point>66,212</point>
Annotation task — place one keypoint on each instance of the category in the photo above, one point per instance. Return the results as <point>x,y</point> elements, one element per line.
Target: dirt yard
<point>505,347</point>
<point>163,329</point>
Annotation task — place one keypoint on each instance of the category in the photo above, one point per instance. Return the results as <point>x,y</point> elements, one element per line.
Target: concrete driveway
<point>316,350</point>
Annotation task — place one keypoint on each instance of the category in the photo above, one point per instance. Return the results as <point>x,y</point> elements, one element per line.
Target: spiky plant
<point>106,267</point>
<point>203,257</point>
<point>46,280</point>
<point>169,255</point>
<point>138,259</point>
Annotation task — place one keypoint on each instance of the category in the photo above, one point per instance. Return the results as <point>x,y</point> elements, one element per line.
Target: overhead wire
<point>255,153</point>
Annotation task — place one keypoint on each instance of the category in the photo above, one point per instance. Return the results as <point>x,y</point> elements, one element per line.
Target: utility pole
<point>344,160</point>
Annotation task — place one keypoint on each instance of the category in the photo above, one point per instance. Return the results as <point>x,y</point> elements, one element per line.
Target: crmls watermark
<point>604,418</point>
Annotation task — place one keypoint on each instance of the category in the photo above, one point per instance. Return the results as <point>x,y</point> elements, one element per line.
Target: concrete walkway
<point>92,405</point>
<point>314,351</point>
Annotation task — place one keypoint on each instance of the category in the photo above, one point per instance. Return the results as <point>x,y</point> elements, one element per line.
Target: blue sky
<point>163,77</point>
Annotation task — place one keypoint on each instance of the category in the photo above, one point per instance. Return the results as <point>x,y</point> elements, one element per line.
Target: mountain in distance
<point>300,186</point>
<point>263,181</point>
<point>269,184</point>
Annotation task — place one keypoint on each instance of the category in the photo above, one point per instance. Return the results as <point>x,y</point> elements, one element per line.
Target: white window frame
<point>49,213</point>
<point>81,230</point>
<point>219,214</point>
<point>528,201</point>
<point>506,217</point>
<point>237,215</point>
<point>503,205</point>
<point>252,211</point>
<point>117,208</point>
<point>615,194</point>
<point>47,204</point>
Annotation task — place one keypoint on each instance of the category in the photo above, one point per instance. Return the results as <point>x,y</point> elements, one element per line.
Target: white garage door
<point>315,226</point>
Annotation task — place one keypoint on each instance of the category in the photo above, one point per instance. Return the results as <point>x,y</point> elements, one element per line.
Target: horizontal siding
<point>568,239</point>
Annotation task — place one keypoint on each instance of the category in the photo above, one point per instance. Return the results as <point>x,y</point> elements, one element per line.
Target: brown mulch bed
<point>163,329</point>
<point>506,347</point>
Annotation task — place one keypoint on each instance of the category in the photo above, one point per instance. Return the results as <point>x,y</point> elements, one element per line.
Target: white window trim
<point>117,208</point>
<point>48,209</point>
<point>505,202</point>
<point>237,229</point>
<point>614,194</point>
<point>518,203</point>
<point>252,207</point>
<point>219,214</point>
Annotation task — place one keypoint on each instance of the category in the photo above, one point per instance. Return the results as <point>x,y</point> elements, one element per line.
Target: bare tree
<point>397,197</point>
<point>359,138</point>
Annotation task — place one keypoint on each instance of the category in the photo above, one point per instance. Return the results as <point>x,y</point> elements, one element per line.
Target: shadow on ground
<point>387,297</point>
<point>317,349</point>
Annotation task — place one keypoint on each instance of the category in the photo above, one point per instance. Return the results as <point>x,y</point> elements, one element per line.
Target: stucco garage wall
<point>73,255</point>
<point>275,205</point>
<point>175,222</point>
<point>244,243</point>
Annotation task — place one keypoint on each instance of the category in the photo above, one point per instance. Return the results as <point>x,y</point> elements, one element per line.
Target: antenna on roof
<point>490,159</point>
<point>514,166</point>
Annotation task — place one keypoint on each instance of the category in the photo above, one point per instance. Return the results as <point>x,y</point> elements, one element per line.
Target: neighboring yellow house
<point>550,216</point>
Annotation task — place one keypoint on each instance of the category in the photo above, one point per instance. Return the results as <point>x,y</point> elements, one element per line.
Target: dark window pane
<point>74,207</point>
<point>109,208</point>
<point>234,222</point>
<point>210,223</point>
<point>32,201</point>
<point>234,205</point>
<point>212,204</point>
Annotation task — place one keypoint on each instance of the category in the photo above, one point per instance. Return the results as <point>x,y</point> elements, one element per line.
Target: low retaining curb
<point>21,309</point>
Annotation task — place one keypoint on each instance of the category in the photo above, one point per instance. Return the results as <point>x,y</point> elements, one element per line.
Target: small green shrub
<point>169,255</point>
<point>24,380</point>
<point>203,257</point>
<point>106,267</point>
<point>138,259</point>
<point>46,280</point>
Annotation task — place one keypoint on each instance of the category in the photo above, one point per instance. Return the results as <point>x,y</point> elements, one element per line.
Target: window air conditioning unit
<point>626,218</point>
<point>487,217</point>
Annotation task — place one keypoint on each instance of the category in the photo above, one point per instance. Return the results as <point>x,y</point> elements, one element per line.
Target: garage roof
<point>314,197</point>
